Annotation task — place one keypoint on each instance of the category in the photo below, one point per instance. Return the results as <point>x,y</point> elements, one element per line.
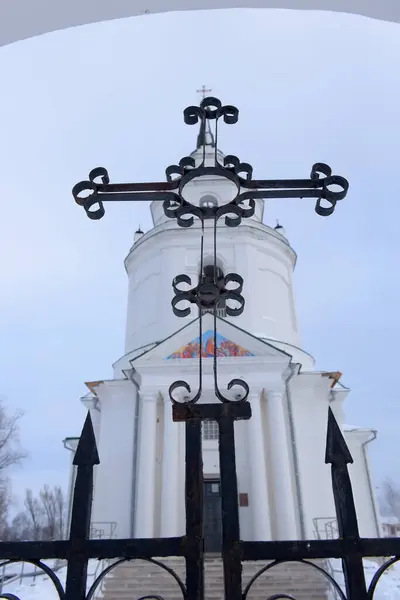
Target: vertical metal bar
<point>194,511</point>
<point>338,455</point>
<point>75,588</point>
<point>3,573</point>
<point>352,564</point>
<point>85,458</point>
<point>231,553</point>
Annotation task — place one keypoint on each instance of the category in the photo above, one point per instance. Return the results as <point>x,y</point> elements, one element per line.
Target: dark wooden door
<point>212,516</point>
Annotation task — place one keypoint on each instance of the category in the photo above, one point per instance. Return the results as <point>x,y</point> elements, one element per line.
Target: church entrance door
<point>212,516</point>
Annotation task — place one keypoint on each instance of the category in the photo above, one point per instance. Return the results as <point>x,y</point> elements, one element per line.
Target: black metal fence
<point>79,549</point>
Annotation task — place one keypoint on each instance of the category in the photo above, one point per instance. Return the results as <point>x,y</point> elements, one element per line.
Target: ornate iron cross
<point>322,185</point>
<point>92,193</point>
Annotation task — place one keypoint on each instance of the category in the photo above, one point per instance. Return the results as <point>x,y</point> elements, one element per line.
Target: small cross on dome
<point>203,91</point>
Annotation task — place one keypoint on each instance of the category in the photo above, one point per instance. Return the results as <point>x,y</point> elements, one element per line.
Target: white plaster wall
<point>255,251</point>
<point>21,19</point>
<point>243,469</point>
<point>158,471</point>
<point>72,445</point>
<point>292,465</point>
<point>95,415</point>
<point>364,499</point>
<point>181,480</point>
<point>113,488</point>
<point>310,401</point>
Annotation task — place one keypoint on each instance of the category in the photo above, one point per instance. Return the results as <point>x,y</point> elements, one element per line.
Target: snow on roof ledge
<point>358,428</point>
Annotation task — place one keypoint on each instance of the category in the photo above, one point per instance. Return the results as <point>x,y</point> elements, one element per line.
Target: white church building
<point>284,484</point>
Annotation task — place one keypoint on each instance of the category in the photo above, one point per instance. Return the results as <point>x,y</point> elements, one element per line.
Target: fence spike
<point>337,451</point>
<point>86,454</point>
<point>338,455</point>
<point>86,457</point>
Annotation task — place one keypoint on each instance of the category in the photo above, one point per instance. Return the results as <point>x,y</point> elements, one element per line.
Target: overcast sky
<point>310,87</point>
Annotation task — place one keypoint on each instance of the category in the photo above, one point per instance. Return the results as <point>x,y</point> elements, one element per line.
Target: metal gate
<point>209,295</point>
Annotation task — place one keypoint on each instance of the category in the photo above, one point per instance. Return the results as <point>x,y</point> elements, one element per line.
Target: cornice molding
<point>254,230</point>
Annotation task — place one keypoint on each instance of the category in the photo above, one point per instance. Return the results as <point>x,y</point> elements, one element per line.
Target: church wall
<point>243,468</point>
<point>158,469</point>
<point>363,498</point>
<point>275,315</point>
<point>253,250</point>
<point>113,489</point>
<point>310,400</point>
<point>143,299</point>
<point>292,466</point>
<point>265,262</point>
<point>270,503</point>
<point>181,479</point>
<point>95,415</point>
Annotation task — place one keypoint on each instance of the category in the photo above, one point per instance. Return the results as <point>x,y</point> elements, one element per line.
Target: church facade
<point>285,489</point>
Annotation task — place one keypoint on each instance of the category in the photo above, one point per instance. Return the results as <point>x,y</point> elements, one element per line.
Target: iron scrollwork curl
<point>240,383</point>
<point>275,563</point>
<point>153,561</point>
<point>378,575</point>
<point>236,382</point>
<point>281,597</point>
<point>327,193</point>
<point>208,295</point>
<point>86,192</point>
<point>184,385</point>
<point>40,565</point>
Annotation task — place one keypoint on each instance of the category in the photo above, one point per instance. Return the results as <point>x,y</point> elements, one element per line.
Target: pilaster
<point>279,464</point>
<point>146,473</point>
<point>170,500</point>
<point>259,484</point>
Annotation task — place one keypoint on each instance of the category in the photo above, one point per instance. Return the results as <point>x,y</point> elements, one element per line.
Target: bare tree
<point>390,499</point>
<point>34,513</point>
<point>20,528</point>
<point>43,517</point>
<point>53,504</point>
<point>11,452</point>
<point>61,511</point>
<point>5,502</point>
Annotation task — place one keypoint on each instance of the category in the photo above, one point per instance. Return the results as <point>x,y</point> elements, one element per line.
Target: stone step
<point>140,578</point>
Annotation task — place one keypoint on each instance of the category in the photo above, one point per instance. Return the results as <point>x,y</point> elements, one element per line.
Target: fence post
<point>194,511</point>
<point>86,457</point>
<point>338,455</point>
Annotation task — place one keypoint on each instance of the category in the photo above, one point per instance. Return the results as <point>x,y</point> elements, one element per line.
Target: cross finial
<point>203,91</point>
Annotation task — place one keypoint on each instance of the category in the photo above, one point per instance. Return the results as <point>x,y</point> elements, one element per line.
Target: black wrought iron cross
<point>328,189</point>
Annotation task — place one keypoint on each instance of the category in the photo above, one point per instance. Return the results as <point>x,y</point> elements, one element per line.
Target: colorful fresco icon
<point>224,348</point>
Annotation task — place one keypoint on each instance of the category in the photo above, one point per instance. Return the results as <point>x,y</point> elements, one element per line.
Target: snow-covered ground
<point>388,585</point>
<point>39,587</point>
